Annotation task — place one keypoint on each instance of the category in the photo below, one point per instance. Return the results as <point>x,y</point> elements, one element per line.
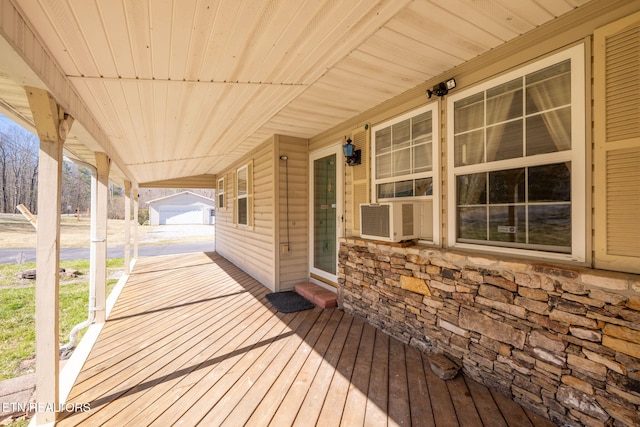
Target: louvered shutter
<point>360,176</point>
<point>617,145</point>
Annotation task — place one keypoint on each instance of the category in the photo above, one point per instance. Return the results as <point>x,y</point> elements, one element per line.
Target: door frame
<point>318,276</point>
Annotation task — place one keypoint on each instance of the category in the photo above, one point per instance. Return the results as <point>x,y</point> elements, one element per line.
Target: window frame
<point>576,155</point>
<point>434,173</point>
<point>245,196</point>
<point>220,194</point>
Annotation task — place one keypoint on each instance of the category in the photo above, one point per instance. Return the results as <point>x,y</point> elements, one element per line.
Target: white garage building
<point>182,208</point>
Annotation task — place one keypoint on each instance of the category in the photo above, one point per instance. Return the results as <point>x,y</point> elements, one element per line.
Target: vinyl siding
<point>550,38</point>
<point>294,265</point>
<point>251,247</point>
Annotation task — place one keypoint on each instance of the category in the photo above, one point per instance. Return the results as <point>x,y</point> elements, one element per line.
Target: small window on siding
<point>243,195</point>
<point>220,194</point>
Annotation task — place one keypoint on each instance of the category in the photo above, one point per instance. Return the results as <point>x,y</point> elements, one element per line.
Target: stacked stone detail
<point>563,341</point>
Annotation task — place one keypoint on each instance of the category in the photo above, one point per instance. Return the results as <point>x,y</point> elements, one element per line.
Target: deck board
<point>378,395</point>
<point>333,405</point>
<point>487,407</point>
<point>316,394</point>
<point>419,400</point>
<point>192,340</point>
<point>444,411</point>
<point>399,411</point>
<point>465,408</point>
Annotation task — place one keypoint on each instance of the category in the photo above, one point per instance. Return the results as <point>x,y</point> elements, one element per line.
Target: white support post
<point>52,125</point>
<point>135,222</point>
<point>127,227</point>
<point>99,241</point>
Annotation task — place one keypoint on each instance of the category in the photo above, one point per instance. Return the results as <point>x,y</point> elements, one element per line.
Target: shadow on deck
<point>192,340</point>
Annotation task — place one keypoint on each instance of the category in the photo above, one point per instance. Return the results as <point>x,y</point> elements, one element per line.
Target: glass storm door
<point>326,213</point>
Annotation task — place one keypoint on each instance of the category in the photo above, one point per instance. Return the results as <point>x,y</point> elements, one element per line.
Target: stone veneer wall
<point>562,341</point>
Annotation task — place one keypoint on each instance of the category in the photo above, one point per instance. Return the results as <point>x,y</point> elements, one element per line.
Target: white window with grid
<point>220,194</point>
<point>405,163</point>
<point>242,195</point>
<point>516,163</point>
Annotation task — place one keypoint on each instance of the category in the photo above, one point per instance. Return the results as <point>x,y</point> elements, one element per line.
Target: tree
<point>76,188</point>
<point>18,168</point>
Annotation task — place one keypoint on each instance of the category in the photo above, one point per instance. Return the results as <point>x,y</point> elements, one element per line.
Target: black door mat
<point>289,302</point>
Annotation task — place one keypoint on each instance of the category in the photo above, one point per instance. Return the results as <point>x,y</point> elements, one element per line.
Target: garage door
<point>180,215</point>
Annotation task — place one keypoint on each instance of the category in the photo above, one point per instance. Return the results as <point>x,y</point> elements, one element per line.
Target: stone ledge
<point>443,367</point>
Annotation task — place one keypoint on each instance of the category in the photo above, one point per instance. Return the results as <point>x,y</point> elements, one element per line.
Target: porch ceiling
<point>183,88</point>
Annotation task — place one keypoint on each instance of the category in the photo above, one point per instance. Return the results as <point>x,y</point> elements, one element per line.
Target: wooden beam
<point>103,164</point>
<point>28,215</point>
<point>136,194</point>
<point>49,119</point>
<point>127,227</point>
<point>198,181</point>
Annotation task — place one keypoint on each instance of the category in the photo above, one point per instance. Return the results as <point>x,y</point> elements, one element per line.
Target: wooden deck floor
<point>192,340</point>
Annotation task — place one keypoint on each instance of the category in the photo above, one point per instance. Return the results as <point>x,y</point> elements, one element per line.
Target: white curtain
<point>547,95</point>
<point>500,107</point>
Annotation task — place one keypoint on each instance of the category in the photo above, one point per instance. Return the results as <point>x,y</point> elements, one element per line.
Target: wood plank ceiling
<point>187,87</point>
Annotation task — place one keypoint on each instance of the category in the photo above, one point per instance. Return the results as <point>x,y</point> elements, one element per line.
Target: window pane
<point>242,211</point>
<point>383,140</point>
<point>469,148</point>
<point>402,162</point>
<point>507,186</point>
<point>469,113</point>
<point>400,134</point>
<point>383,166</point>
<point>550,225</point>
<point>472,223</point>
<point>404,149</point>
<point>424,187</point>
<point>504,102</point>
<point>385,190</point>
<point>550,183</point>
<point>421,127</point>
<point>549,132</point>
<point>242,182</point>
<point>422,158</point>
<point>472,189</point>
<point>549,88</point>
<point>508,224</point>
<point>504,141</point>
<point>404,188</point>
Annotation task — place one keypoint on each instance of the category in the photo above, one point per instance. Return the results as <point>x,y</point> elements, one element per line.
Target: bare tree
<point>76,189</point>
<point>3,172</point>
<point>18,168</point>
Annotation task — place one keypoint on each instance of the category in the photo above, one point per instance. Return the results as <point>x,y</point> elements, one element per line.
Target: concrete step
<point>318,295</point>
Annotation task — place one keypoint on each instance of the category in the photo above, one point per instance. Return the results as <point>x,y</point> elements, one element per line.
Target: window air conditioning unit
<point>390,222</point>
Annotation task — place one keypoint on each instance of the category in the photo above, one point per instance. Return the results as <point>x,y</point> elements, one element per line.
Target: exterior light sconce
<point>351,155</point>
<point>442,88</point>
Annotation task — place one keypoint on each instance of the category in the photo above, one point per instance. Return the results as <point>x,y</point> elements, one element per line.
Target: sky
<point>5,122</point>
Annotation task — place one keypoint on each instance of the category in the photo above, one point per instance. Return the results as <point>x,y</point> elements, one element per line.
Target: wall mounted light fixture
<point>351,155</point>
<point>442,88</point>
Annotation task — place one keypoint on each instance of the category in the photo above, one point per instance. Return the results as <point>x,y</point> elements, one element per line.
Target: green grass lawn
<point>17,311</point>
